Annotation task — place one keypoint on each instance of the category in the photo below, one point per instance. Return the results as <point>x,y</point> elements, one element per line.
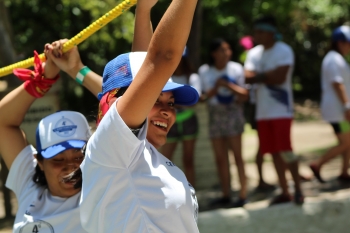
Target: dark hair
<point>39,176</point>
<point>266,20</point>
<point>121,91</point>
<point>214,45</point>
<point>334,46</point>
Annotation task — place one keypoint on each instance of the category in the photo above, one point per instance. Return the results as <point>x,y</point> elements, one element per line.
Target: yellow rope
<point>80,37</point>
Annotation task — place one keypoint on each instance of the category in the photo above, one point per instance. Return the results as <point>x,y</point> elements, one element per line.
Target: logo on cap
<point>65,127</point>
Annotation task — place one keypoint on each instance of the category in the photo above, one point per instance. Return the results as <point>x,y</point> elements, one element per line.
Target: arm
<point>272,77</point>
<point>143,26</point>
<point>341,93</point>
<point>13,108</point>
<point>163,57</point>
<point>241,92</point>
<point>71,63</point>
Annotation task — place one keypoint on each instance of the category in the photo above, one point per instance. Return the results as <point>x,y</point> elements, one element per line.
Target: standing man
<point>270,66</point>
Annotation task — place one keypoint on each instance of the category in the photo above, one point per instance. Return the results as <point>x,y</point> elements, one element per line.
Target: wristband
<point>34,81</point>
<point>81,75</point>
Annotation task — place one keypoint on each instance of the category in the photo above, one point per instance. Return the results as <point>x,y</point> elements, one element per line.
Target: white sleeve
<point>114,144</point>
<point>285,57</point>
<point>241,77</point>
<point>250,62</point>
<point>195,82</point>
<point>333,72</point>
<point>201,72</point>
<point>22,171</point>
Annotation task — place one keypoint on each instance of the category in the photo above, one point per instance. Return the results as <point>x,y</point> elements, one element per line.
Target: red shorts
<point>274,135</point>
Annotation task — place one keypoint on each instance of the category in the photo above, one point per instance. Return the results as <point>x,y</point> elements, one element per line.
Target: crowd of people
<point>263,79</point>
<point>116,180</point>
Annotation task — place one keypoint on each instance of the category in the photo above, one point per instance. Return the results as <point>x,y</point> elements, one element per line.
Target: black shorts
<point>185,127</point>
<point>340,127</point>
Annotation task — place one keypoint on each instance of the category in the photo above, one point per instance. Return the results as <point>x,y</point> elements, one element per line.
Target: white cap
<point>61,131</point>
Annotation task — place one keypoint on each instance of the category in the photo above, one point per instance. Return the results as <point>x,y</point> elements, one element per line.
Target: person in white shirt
<point>128,186</point>
<point>223,89</point>
<point>47,180</point>
<point>270,65</point>
<point>185,128</point>
<point>335,101</point>
<point>48,200</point>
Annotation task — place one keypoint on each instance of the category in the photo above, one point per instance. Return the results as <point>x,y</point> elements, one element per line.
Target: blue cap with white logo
<point>224,95</point>
<point>122,70</point>
<point>341,33</point>
<point>61,131</point>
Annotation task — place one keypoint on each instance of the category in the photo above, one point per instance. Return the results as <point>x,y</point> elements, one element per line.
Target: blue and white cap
<point>61,131</point>
<point>122,70</point>
<point>341,33</point>
<point>224,95</point>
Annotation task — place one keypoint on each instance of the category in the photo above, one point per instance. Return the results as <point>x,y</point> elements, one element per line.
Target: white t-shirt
<point>272,101</point>
<point>335,69</point>
<point>39,211</point>
<point>129,187</point>
<point>209,75</point>
<point>193,81</point>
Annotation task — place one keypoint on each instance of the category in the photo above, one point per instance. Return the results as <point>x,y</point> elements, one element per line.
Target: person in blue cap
<point>47,193</point>
<point>128,186</point>
<point>185,130</point>
<point>335,101</point>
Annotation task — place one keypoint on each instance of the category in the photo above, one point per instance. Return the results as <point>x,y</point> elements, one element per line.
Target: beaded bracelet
<point>81,75</point>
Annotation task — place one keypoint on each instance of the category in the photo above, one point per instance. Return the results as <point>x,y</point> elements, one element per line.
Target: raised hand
<point>69,61</point>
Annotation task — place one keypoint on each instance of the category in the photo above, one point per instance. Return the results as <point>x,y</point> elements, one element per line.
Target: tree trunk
<point>7,57</point>
<point>194,40</point>
<point>7,51</point>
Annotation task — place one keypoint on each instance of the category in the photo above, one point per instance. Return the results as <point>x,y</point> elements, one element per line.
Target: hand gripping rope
<point>80,37</point>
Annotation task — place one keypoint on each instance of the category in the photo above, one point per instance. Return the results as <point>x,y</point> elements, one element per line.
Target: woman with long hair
<point>223,88</point>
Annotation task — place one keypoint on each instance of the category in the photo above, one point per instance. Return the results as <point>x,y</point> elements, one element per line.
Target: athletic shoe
<point>222,202</point>
<point>316,172</point>
<point>298,198</point>
<point>239,203</point>
<point>280,199</point>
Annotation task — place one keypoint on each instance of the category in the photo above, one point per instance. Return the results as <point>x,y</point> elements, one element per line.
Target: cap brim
<point>183,94</point>
<point>52,151</point>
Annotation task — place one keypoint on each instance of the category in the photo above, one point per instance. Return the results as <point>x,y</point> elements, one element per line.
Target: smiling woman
<point>128,186</point>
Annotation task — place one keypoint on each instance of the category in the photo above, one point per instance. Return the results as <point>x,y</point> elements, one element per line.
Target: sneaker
<point>282,198</point>
<point>239,203</point>
<point>298,198</point>
<point>220,202</point>
<point>345,179</point>
<point>316,172</point>
<point>265,187</point>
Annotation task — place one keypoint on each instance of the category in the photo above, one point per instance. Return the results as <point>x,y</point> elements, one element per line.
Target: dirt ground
<point>310,140</point>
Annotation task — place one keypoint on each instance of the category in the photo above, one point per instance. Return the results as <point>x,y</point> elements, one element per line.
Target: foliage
<point>305,24</point>
<point>37,22</point>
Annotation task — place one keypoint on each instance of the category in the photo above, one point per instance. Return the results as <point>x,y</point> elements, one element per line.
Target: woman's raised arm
<point>164,53</point>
